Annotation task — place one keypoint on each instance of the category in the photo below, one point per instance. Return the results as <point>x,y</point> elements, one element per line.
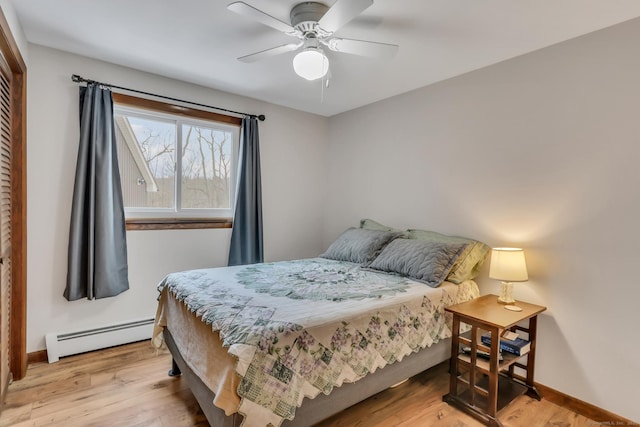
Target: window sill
<point>177,223</point>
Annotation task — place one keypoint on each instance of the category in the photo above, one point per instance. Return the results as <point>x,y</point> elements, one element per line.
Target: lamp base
<point>506,293</point>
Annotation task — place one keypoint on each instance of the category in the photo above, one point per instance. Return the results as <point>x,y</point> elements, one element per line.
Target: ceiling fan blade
<point>270,52</point>
<point>363,48</point>
<point>241,8</point>
<point>342,12</point>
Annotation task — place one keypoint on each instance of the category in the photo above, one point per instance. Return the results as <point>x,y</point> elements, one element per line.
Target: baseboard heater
<point>68,343</point>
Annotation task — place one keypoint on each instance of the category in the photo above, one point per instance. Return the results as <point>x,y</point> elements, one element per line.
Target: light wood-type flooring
<point>128,386</point>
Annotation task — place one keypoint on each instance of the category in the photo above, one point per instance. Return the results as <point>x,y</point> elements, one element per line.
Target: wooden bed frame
<point>323,406</point>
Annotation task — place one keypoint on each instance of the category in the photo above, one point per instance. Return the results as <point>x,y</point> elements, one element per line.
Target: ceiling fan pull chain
<point>324,83</point>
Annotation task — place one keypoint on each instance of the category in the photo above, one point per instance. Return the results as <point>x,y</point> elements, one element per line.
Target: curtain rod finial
<point>76,78</point>
<point>261,117</point>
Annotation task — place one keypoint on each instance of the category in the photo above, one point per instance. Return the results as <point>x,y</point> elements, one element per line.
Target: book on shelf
<point>481,354</point>
<point>519,346</point>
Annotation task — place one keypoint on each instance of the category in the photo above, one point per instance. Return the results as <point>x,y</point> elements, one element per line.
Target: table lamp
<point>508,265</point>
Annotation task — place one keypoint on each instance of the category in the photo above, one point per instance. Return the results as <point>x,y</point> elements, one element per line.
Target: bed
<point>291,343</point>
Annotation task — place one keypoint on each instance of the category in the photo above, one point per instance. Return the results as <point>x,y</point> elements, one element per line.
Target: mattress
<point>265,336</point>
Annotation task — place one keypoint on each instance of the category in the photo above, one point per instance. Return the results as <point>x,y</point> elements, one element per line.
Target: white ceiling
<point>199,40</point>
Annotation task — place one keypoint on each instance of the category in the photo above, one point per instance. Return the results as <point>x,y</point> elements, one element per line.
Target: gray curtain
<point>97,263</point>
<point>246,236</point>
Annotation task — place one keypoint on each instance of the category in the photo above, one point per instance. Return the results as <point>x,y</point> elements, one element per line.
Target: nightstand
<point>481,387</point>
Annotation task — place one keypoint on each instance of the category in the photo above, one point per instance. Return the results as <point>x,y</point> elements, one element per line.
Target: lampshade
<point>508,265</point>
<point>311,63</point>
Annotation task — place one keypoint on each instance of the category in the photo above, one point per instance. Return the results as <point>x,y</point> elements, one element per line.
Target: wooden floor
<point>128,386</point>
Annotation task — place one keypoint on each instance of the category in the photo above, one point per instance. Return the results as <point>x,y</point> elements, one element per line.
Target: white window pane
<point>146,155</point>
<point>206,167</point>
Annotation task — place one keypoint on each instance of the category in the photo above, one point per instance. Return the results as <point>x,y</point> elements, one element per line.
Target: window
<point>177,165</point>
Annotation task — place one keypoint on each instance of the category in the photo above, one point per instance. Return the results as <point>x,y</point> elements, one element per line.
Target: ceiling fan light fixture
<point>311,63</point>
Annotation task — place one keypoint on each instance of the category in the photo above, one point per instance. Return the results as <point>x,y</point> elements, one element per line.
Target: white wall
<point>542,152</point>
<point>293,148</point>
<point>16,29</point>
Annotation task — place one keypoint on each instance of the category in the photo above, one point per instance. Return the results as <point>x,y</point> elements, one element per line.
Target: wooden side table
<point>483,397</point>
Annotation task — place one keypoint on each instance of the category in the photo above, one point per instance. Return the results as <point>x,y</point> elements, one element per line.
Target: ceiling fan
<point>314,24</point>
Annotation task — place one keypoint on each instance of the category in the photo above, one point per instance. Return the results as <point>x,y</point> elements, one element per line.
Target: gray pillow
<point>468,264</point>
<point>359,245</point>
<point>424,261</point>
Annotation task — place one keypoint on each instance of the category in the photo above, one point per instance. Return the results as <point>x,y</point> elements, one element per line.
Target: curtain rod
<point>76,78</point>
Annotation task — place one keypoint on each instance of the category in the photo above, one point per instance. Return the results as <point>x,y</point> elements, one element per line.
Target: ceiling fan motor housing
<point>305,16</point>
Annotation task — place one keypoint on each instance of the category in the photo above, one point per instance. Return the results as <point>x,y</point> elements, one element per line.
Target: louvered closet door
<point>5,223</point>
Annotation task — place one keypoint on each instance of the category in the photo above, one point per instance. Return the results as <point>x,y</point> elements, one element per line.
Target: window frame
<point>170,218</point>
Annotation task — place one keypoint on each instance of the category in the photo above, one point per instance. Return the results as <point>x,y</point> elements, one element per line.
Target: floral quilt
<point>300,328</point>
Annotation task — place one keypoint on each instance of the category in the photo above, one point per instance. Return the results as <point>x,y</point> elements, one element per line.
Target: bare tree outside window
<point>206,167</point>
